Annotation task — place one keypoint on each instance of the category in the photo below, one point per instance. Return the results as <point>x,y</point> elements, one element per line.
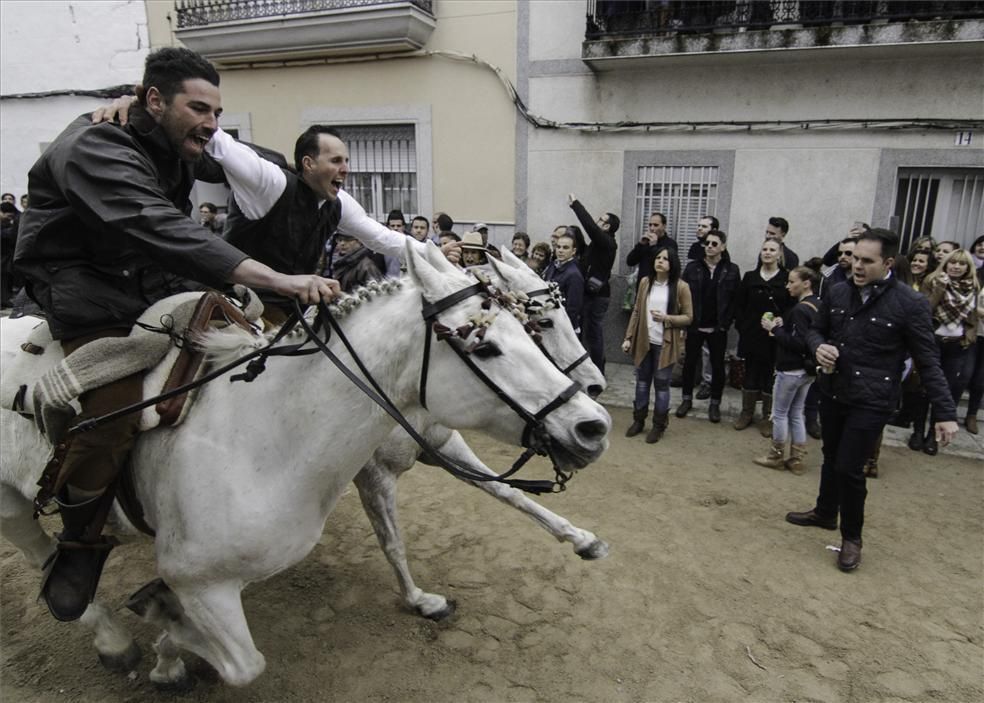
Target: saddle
<point>163,342</point>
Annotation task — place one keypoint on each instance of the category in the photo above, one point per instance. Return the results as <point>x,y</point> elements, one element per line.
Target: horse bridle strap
<point>378,396</point>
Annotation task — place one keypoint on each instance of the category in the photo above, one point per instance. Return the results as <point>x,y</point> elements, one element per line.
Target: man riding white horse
<point>107,235</point>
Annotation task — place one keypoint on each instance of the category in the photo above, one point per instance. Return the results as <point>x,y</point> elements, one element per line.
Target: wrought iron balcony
<point>615,18</point>
<point>236,30</point>
<point>635,28</point>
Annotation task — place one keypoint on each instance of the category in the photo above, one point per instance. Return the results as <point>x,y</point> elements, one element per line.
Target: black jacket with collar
<point>108,232</point>
<point>873,339</point>
<point>600,255</point>
<point>728,278</point>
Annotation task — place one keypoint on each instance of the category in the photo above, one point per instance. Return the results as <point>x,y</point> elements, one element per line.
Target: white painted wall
<point>56,45</point>
<point>821,181</point>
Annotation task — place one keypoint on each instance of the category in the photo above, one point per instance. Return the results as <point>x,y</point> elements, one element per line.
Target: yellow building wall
<point>473,117</point>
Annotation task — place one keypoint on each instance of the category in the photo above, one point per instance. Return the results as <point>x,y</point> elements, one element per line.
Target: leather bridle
<point>533,308</point>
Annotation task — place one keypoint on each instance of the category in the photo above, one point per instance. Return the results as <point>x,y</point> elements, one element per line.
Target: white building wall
<point>821,181</point>
<point>59,46</point>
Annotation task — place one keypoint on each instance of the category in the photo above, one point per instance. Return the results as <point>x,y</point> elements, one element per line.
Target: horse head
<point>550,321</point>
<point>484,371</point>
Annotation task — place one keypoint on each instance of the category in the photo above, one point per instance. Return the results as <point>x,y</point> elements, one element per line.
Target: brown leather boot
<point>638,422</point>
<point>660,422</point>
<point>774,459</point>
<point>747,414</point>
<point>797,452</point>
<point>971,424</point>
<point>765,426</point>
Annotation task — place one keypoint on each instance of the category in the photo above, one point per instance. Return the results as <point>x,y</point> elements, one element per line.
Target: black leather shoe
<point>930,445</point>
<point>916,442</point>
<point>714,413</point>
<point>686,405</point>
<point>703,391</point>
<point>811,519</point>
<point>850,555</point>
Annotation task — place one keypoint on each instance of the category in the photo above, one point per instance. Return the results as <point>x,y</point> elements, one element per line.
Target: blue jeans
<point>788,398</point>
<point>593,328</point>
<point>647,374</point>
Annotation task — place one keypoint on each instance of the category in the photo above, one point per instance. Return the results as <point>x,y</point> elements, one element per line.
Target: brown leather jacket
<point>637,332</point>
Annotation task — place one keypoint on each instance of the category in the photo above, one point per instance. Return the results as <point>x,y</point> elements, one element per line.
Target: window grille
<point>939,203</point>
<point>382,168</point>
<point>683,193</point>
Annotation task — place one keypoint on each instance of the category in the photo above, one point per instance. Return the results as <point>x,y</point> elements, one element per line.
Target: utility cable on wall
<point>808,124</point>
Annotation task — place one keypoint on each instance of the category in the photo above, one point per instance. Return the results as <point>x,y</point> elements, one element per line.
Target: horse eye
<point>545,324</point>
<point>487,350</point>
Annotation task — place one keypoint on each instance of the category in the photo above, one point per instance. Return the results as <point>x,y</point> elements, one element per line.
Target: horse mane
<point>226,344</point>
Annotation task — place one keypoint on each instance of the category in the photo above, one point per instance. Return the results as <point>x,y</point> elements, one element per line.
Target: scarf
<point>958,300</point>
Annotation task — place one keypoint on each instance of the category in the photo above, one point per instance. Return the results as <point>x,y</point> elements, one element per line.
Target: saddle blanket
<point>38,380</point>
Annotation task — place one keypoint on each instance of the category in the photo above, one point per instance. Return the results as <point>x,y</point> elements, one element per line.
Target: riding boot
<point>660,422</point>
<point>638,422</point>
<point>71,573</point>
<point>747,414</point>
<point>797,452</point>
<point>765,427</point>
<point>774,459</point>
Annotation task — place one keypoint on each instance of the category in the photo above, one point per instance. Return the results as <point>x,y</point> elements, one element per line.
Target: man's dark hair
<point>522,236</point>
<point>210,207</point>
<point>613,222</point>
<point>444,222</point>
<point>720,234</point>
<point>714,221</point>
<point>396,215</point>
<point>422,219</point>
<point>308,144</point>
<point>4,195</point>
<point>848,240</point>
<point>889,241</point>
<point>452,235</point>
<point>780,222</point>
<point>168,68</point>
<point>661,216</point>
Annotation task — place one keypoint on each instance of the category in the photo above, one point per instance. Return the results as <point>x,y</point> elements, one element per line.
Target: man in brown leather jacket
<point>108,234</point>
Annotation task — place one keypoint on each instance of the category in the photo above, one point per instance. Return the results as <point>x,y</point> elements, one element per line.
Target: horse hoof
<point>442,614</point>
<point>596,550</point>
<point>124,662</point>
<point>185,684</point>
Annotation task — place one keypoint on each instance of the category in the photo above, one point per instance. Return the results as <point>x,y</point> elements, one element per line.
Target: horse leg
<point>19,526</point>
<point>205,619</point>
<point>586,544</point>
<point>114,643</point>
<point>377,489</point>
<point>170,674</point>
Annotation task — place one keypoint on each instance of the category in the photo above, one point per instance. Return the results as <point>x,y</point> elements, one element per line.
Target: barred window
<point>683,193</point>
<point>942,203</point>
<point>382,168</point>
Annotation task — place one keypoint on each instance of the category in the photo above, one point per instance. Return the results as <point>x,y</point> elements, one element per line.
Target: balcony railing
<point>628,18</point>
<point>201,13</point>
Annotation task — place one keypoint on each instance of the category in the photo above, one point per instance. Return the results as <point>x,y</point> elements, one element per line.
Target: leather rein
<point>535,437</point>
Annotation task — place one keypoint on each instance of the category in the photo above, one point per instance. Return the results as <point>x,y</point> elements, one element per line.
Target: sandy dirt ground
<point>707,595</point>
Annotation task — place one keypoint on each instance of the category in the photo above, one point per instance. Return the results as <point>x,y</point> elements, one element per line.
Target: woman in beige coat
<point>654,338</point>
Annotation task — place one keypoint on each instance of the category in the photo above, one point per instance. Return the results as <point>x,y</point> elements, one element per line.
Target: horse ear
<point>433,284</point>
<point>502,270</point>
<point>439,260</point>
<point>511,259</point>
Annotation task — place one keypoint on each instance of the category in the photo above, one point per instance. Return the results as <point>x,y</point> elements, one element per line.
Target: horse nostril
<point>594,390</point>
<point>592,430</point>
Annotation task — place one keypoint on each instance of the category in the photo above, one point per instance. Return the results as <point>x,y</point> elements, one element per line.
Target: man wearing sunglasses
<point>842,271</point>
<point>713,283</point>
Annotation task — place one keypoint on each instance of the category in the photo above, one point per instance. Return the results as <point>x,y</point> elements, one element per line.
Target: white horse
<point>376,481</point>
<point>241,491</point>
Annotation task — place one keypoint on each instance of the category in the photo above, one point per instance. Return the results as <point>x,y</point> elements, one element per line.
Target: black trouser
<point>850,435</point>
<point>717,342</point>
<point>759,375</point>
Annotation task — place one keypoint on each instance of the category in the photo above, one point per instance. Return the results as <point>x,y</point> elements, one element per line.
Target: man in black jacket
<point>108,234</point>
<point>654,239</point>
<point>598,261</point>
<point>863,331</point>
<point>713,282</point>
